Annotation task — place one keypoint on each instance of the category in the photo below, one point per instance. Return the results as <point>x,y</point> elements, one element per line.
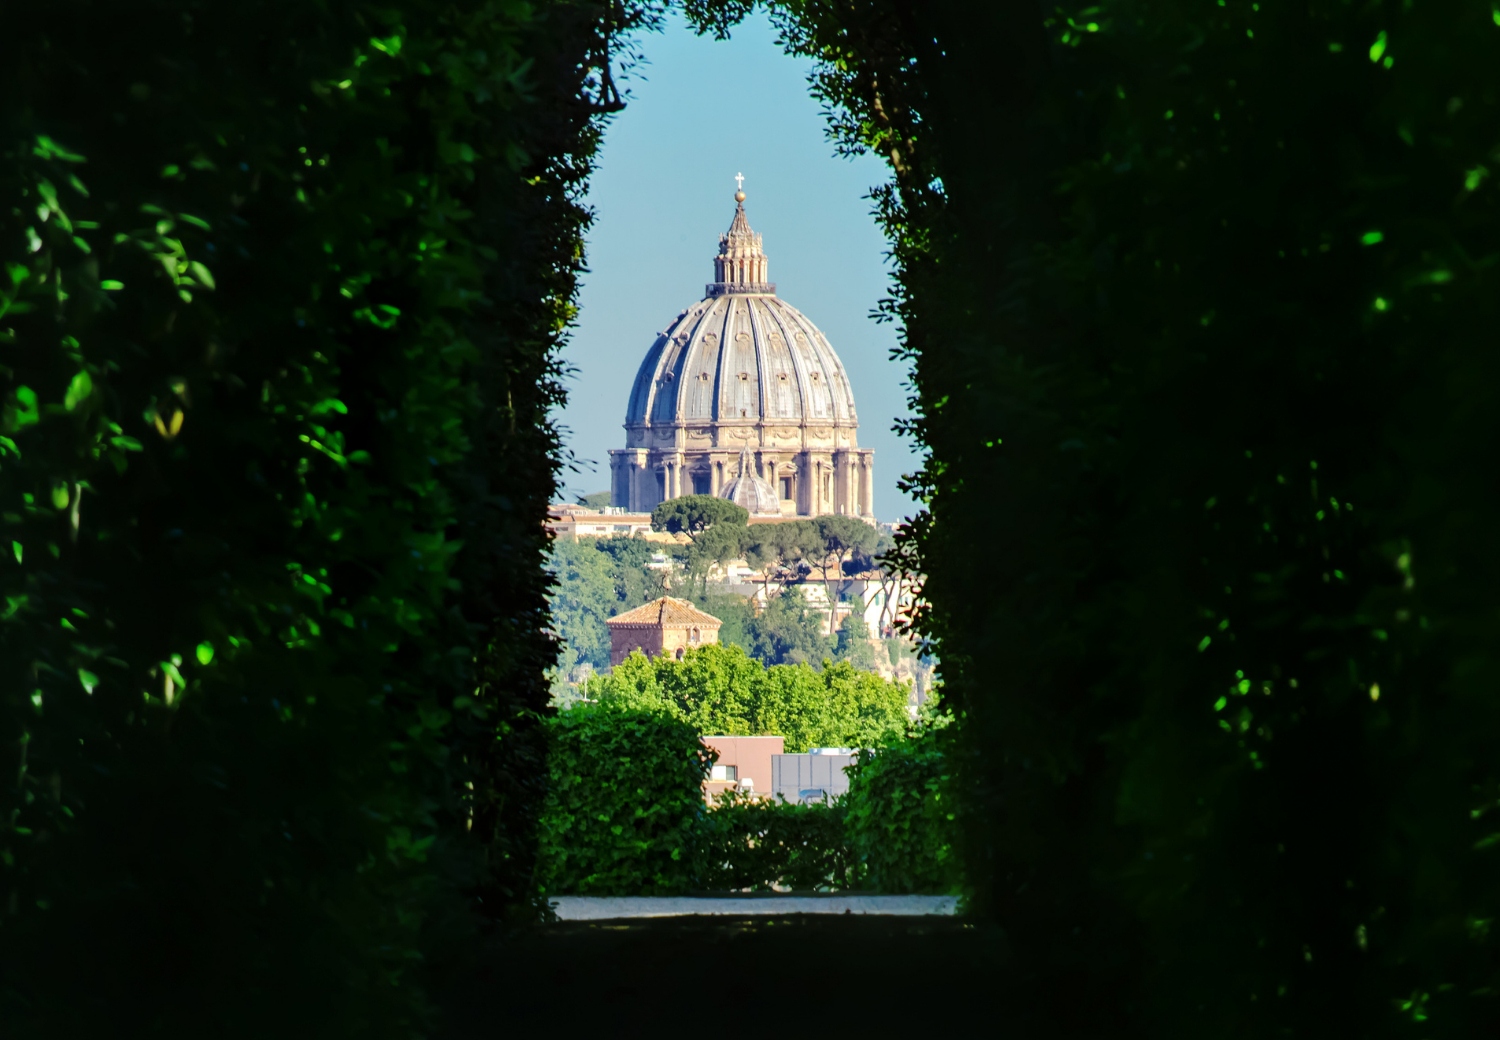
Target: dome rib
<point>669,388</point>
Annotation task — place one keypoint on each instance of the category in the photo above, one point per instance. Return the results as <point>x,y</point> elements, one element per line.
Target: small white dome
<point>749,491</point>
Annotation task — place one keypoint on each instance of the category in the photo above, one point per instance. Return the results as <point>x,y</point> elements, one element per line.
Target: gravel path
<point>598,908</point>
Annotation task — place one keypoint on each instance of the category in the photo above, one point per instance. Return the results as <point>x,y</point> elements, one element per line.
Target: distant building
<point>743,764</point>
<point>664,626</point>
<point>757,766</point>
<point>817,776</point>
<point>570,522</point>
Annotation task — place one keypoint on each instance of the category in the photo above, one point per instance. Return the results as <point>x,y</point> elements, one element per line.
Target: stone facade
<point>743,369</point>
<point>663,626</point>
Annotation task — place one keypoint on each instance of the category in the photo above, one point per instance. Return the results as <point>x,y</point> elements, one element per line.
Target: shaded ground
<point>719,976</point>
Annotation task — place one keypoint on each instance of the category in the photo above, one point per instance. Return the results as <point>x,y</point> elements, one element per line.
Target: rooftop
<point>665,611</point>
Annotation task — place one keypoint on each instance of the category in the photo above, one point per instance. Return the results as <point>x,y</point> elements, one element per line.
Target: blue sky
<point>699,112</point>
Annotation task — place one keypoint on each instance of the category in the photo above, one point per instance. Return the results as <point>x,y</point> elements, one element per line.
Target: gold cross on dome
<point>739,182</point>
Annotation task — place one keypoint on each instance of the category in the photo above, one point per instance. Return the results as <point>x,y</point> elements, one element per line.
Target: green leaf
<point>79,390</point>
<point>205,653</point>
<point>202,274</point>
<point>88,680</point>
<point>46,148</point>
<point>25,411</point>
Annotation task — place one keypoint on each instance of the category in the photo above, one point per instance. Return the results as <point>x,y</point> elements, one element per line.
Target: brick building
<point>663,626</point>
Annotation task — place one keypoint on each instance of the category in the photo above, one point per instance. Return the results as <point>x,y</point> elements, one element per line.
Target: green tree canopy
<point>853,643</point>
<point>779,551</point>
<point>693,514</point>
<point>721,689</point>
<point>715,546</point>
<point>586,594</point>
<point>595,579</point>
<point>843,539</point>
<point>788,631</point>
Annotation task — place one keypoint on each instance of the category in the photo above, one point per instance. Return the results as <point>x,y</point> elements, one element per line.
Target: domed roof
<point>749,491</point>
<point>741,354</point>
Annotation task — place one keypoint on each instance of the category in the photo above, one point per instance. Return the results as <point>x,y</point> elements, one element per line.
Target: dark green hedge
<point>624,803</point>
<point>757,843</point>
<point>901,816</point>
<point>281,287</point>
<point>625,815</point>
<point>1201,304</point>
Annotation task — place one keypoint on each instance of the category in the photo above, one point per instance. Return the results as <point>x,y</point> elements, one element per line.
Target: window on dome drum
<point>702,483</point>
<point>786,487</point>
<point>661,486</point>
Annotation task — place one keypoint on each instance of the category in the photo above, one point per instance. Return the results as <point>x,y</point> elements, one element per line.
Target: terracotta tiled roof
<point>665,611</point>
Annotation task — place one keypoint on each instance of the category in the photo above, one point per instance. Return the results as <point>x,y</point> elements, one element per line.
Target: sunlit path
<point>600,908</point>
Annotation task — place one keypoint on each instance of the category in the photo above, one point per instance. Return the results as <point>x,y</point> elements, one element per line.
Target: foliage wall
<point>280,290</point>
<point>625,816</point>
<point>624,803</point>
<point>900,813</point>
<point>757,844</point>
<point>1201,305</point>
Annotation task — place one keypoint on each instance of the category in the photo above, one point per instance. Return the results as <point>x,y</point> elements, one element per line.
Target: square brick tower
<point>663,626</point>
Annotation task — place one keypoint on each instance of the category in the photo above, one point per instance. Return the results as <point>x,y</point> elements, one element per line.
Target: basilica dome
<point>742,369</point>
<point>741,355</point>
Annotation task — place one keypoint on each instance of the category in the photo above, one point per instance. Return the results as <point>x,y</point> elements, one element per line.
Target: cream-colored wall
<point>827,477</point>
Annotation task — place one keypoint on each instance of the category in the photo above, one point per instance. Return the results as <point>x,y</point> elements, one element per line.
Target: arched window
<point>693,637</point>
<point>679,653</point>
